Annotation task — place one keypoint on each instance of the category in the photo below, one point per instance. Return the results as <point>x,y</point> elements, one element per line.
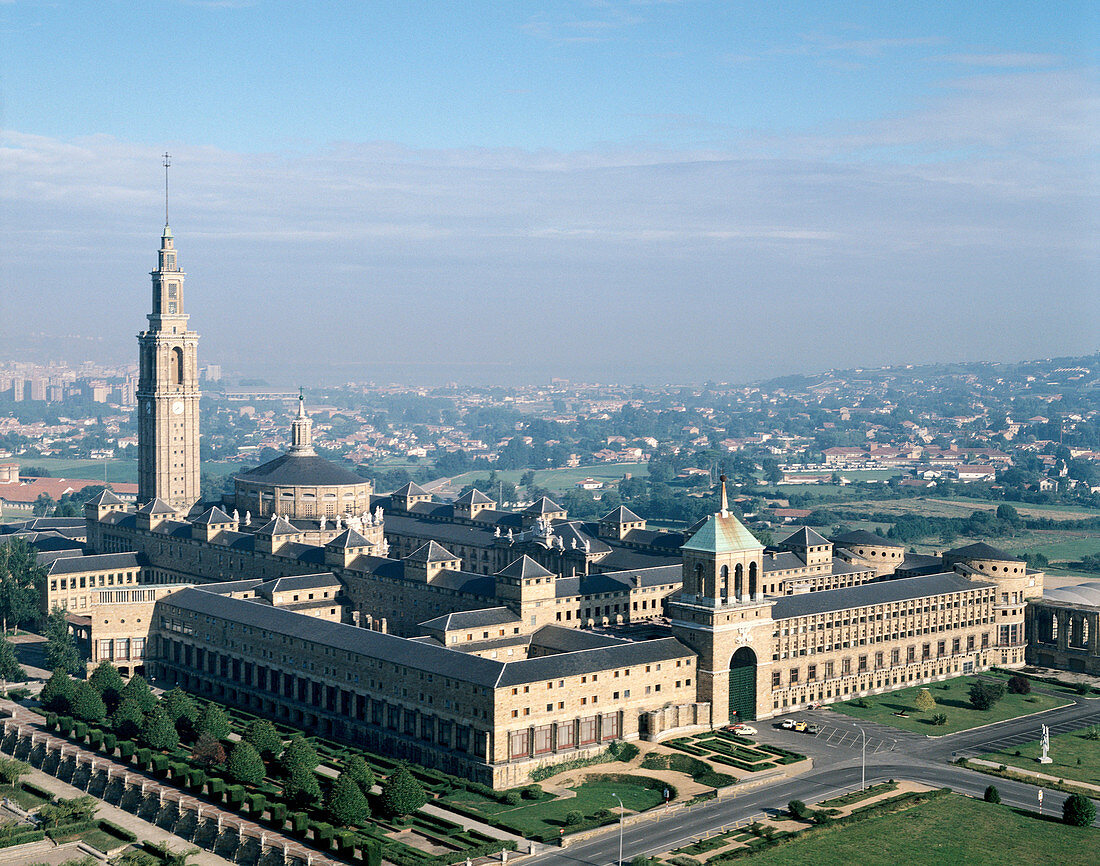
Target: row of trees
<point>132,712</point>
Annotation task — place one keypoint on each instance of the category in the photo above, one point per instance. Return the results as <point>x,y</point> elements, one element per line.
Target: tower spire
<point>725,501</point>
<point>167,164</point>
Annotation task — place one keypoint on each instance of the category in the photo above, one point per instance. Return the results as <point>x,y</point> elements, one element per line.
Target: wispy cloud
<point>1018,60</point>
<point>877,233</point>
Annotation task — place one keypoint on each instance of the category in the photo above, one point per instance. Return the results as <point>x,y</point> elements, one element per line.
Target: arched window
<point>177,366</point>
<point>738,580</point>
<point>1084,632</point>
<point>698,590</point>
<point>725,582</point>
<point>1054,626</point>
<point>752,581</point>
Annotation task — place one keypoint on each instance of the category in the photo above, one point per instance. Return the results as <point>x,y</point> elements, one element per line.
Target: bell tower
<point>722,614</point>
<point>168,389</point>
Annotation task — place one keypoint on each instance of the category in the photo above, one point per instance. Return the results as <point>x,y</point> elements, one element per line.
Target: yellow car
<point>800,726</point>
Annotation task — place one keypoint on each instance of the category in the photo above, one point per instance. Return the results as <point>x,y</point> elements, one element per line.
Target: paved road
<point>838,768</point>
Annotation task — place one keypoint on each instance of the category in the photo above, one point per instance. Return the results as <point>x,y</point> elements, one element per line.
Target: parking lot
<point>1030,735</point>
<point>833,733</point>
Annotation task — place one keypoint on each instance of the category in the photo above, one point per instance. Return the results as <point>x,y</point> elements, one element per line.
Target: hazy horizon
<point>615,191</point>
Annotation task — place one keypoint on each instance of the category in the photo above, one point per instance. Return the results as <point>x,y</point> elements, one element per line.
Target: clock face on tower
<point>177,407</point>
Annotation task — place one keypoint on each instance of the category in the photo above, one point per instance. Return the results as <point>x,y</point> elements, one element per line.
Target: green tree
<point>262,735</point>
<point>299,755</point>
<point>11,770</point>
<point>208,751</point>
<point>346,804</point>
<point>127,719</point>
<point>1078,810</point>
<point>992,795</point>
<point>9,664</point>
<point>158,732</point>
<point>214,722</point>
<point>22,581</point>
<point>301,788</point>
<point>57,692</point>
<point>138,691</point>
<point>88,706</point>
<point>402,794</point>
<point>68,811</point>
<point>61,650</point>
<point>356,768</point>
<point>183,711</point>
<point>985,693</point>
<point>244,764</point>
<point>106,680</point>
<point>925,703</point>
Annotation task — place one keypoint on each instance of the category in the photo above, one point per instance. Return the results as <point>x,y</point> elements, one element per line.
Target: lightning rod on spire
<point>167,163</point>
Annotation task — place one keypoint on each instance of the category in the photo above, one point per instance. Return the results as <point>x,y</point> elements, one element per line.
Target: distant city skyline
<point>621,191</point>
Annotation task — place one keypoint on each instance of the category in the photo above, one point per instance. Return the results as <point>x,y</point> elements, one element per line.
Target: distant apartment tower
<point>168,391</point>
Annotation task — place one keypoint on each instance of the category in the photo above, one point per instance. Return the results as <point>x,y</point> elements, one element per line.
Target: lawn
<point>560,480</point>
<point>548,815</point>
<point>26,799</point>
<point>949,831</point>
<point>1065,750</point>
<point>952,698</point>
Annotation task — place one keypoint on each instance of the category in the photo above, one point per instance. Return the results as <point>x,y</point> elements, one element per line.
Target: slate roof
<point>670,541</point>
<point>424,655</point>
<point>543,506</point>
<point>863,537</point>
<point>473,497</point>
<point>348,538</point>
<point>99,562</point>
<point>325,580</point>
<point>156,506</point>
<point>105,497</point>
<point>625,559</point>
<point>277,526</point>
<point>431,552</point>
<point>410,489</point>
<point>805,537</point>
<point>212,516</point>
<point>981,550</point>
<point>626,654</point>
<point>301,470</point>
<point>1087,594</point>
<point>722,535</point>
<point>564,640</point>
<point>461,619</point>
<point>523,568</point>
<point>348,638</point>
<point>877,592</point>
<point>622,514</point>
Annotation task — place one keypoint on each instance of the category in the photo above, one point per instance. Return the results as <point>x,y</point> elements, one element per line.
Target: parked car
<point>800,726</point>
<point>743,730</point>
<point>787,724</point>
<point>813,728</point>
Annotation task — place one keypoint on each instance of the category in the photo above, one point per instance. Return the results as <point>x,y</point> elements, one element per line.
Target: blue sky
<point>615,189</point>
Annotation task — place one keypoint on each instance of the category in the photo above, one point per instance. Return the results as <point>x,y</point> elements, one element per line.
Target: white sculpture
<point>496,532</point>
<point>322,523</point>
<point>248,518</point>
<point>378,515</point>
<point>236,516</point>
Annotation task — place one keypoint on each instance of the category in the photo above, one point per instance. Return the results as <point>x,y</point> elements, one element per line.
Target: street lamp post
<point>863,762</point>
<point>622,809</point>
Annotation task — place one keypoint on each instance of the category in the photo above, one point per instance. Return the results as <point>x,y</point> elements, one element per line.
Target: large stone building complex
<point>490,642</point>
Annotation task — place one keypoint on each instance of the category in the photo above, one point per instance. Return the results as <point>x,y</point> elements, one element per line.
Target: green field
<point>951,698</point>
<point>949,831</point>
<point>560,480</point>
<point>1066,750</point>
<point>930,506</point>
<point>114,470</point>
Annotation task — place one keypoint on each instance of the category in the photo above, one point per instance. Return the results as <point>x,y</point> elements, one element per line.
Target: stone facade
<point>1063,629</point>
<point>168,392</point>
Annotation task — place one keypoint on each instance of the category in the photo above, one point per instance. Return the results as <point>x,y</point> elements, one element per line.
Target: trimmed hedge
<point>116,830</point>
<point>126,749</point>
<point>22,838</point>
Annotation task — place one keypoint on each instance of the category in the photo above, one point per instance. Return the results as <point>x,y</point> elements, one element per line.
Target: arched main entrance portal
<point>743,685</point>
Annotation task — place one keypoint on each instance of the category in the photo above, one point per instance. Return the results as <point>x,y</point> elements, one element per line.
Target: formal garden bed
<point>952,710</point>
<point>730,750</point>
